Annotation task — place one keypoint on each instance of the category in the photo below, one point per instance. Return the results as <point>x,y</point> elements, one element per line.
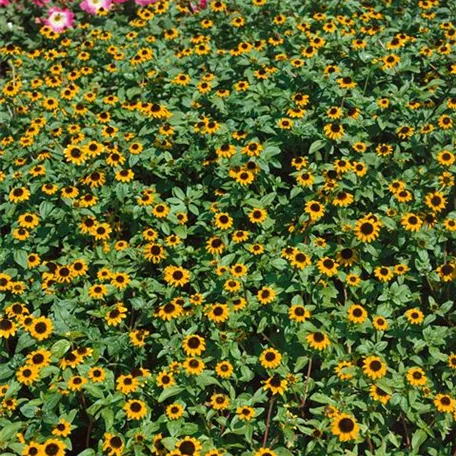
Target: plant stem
<point>268,421</point>
<point>306,384</point>
<point>404,425</point>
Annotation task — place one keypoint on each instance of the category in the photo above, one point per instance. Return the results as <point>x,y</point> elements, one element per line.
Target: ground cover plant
<point>227,228</point>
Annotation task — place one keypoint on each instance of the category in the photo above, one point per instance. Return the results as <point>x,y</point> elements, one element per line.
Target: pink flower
<point>144,2</point>
<point>40,2</point>
<point>92,6</point>
<point>201,5</point>
<point>59,19</point>
<point>119,1</point>
<point>4,2</point>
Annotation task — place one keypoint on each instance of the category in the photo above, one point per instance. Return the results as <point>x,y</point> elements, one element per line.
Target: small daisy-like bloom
<point>8,328</point>
<point>174,411</point>
<point>383,273</point>
<point>39,358</point>
<point>345,427</point>
<point>305,179</point>
<point>28,374</point>
<point>135,409</point>
<point>252,149</point>
<point>377,394</point>
<point>344,370</point>
<point>76,383</point>
<point>53,447</point>
<point>19,194</point>
<point>224,369</point>
<point>357,314</point>
<point>327,266</point>
<point>115,316</point>
<point>113,444</point>
<point>223,221</point>
<point>28,220</point>
<point>374,367</point>
<point>343,199</point>
<point>276,385</point>
<point>220,401</point>
<point>298,313</point>
<point>405,132</point>
<point>62,429</point>
<point>285,124</point>
<point>138,336</point>
<point>352,280</point>
<point>346,83</point>
<point>445,403</point>
<point>266,295</point>
<point>447,272</point>
<point>318,340</point>
<point>154,252</point>
<point>445,122</point>
<point>334,131</point>
<point>239,270</point>
<point>245,413</point>
<point>367,230</point>
<point>414,316</point>
<point>301,99</point>
<point>300,260</point>
<point>436,201</point>
<point>32,448</point>
<point>416,376</point>
<point>315,210</point>
<point>120,280</point>
<point>265,452</point>
<point>127,384</point>
<point>188,446</point>
<point>194,345</point>
<point>446,158</point>
<point>257,215</point>
<point>194,366</point>
<point>270,358</point>
<point>98,291</point>
<point>41,328</point>
<point>380,323</point>
<point>160,210</point>
<point>401,269</point>
<point>452,360</point>
<point>390,61</point>
<point>176,276</point>
<point>218,313</point>
<point>96,374</point>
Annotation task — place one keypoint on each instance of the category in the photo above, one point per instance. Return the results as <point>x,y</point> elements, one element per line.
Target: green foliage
<point>229,231</point>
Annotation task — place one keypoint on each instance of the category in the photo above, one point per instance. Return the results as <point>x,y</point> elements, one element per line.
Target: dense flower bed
<point>228,230</point>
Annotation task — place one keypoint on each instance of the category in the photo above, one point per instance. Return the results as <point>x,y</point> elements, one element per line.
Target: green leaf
<point>282,451</point>
<point>29,411</point>
<point>45,209</point>
<point>60,348</point>
<point>108,415</point>
<point>94,391</point>
<point>170,392</point>
<point>316,145</point>
<point>9,431</point>
<point>418,438</point>
<point>321,398</point>
<point>21,258</point>
<point>5,372</point>
<point>178,193</point>
<point>87,452</point>
<point>168,442</point>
